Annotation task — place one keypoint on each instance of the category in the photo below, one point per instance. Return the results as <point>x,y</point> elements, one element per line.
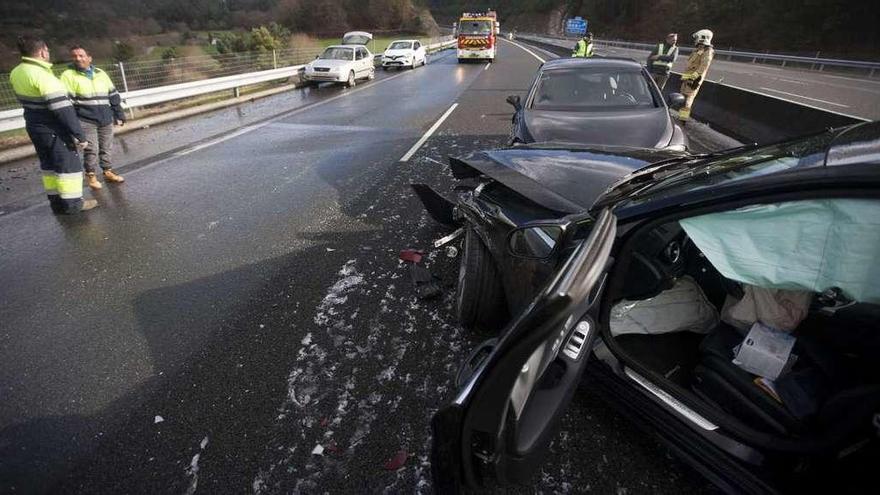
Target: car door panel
<point>496,430</point>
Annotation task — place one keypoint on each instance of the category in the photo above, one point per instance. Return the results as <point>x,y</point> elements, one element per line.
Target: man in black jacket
<point>661,59</point>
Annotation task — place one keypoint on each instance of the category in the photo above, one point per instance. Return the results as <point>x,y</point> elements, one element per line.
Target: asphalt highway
<point>234,318</point>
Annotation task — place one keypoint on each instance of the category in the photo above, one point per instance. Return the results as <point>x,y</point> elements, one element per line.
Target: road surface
<point>239,302</point>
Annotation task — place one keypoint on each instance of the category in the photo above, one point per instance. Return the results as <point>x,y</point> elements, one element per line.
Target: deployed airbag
<point>683,308</point>
<point>810,245</point>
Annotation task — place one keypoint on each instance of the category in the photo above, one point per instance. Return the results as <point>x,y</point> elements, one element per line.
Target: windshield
<point>596,88</point>
<point>739,166</point>
<point>400,45</point>
<point>336,53</point>
<point>475,27</point>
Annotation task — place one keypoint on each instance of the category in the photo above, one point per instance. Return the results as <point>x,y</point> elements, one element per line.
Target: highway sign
<point>575,26</point>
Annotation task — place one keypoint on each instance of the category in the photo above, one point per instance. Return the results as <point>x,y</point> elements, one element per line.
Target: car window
<point>417,45</point>
<point>596,88</point>
<point>746,165</point>
<point>475,27</point>
<point>401,45</point>
<point>337,53</point>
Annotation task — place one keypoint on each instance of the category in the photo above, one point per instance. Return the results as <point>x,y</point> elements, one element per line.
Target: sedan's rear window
<point>400,45</point>
<point>596,88</point>
<point>336,53</point>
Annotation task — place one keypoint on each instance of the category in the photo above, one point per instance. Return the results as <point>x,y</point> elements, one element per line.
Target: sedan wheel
<point>480,298</point>
<point>351,80</point>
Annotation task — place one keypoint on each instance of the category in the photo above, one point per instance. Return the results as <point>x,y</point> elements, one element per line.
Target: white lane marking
<point>747,90</point>
<point>799,83</point>
<point>488,65</point>
<point>850,78</point>
<point>243,130</point>
<point>804,97</point>
<point>526,50</point>
<point>427,134</point>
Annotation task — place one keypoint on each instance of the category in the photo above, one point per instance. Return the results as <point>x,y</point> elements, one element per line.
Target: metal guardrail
<point>13,119</point>
<point>754,57</point>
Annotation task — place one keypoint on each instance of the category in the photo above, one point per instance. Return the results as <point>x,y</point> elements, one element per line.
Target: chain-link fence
<point>130,76</point>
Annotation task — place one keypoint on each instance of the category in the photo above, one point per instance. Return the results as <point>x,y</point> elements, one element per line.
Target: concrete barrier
<point>741,113</point>
<point>755,117</point>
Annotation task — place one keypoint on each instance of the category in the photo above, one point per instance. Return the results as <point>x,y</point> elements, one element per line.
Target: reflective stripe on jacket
<point>663,63</point>
<point>94,98</point>
<point>44,99</point>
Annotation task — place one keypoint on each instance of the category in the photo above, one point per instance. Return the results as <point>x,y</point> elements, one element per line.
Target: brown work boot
<point>110,176</point>
<point>88,204</point>
<point>92,180</point>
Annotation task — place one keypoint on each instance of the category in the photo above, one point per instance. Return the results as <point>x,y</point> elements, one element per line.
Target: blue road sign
<point>577,25</point>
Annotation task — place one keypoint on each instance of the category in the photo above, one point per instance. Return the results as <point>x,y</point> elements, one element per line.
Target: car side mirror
<point>534,241</point>
<point>316,57</point>
<point>676,101</point>
<point>515,101</point>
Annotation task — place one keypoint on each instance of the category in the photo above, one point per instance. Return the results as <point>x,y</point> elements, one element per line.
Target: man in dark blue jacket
<point>98,106</point>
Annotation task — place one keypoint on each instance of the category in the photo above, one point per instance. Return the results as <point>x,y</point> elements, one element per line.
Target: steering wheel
<point>627,96</point>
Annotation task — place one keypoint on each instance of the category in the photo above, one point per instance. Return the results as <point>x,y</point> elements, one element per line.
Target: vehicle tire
<point>480,300</point>
<point>385,68</point>
<point>351,80</point>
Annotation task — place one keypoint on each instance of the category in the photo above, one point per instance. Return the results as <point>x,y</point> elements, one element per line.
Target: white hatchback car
<point>345,63</point>
<point>404,53</point>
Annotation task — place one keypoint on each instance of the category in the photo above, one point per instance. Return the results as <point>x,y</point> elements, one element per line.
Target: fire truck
<point>476,36</point>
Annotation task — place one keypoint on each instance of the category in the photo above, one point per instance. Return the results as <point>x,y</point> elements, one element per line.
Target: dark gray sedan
<point>605,101</point>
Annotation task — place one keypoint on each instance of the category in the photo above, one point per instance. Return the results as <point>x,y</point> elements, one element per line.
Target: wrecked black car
<point>506,258</point>
<point>727,304</point>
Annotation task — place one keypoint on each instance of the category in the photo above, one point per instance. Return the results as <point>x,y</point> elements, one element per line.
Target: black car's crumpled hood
<point>648,128</point>
<point>563,180</point>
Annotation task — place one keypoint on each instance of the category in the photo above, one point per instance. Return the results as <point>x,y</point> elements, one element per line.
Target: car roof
<point>608,62</point>
<point>347,47</point>
<point>405,41</point>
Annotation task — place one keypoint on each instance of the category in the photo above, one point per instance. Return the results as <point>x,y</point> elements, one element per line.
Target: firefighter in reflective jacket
<point>584,47</point>
<point>98,107</point>
<point>697,67</point>
<point>51,123</point>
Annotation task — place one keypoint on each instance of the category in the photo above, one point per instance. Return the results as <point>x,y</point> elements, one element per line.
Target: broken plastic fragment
<point>411,255</point>
<point>397,461</point>
<point>318,450</point>
<point>158,419</point>
<point>427,284</point>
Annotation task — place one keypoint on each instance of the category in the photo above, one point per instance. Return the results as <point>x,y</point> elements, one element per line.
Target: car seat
<point>832,390</point>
